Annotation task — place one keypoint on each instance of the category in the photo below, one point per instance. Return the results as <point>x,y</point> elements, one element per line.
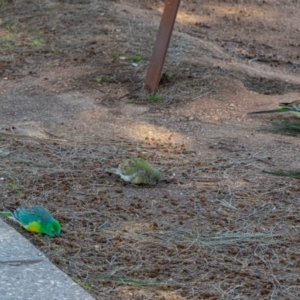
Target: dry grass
<point>187,239</point>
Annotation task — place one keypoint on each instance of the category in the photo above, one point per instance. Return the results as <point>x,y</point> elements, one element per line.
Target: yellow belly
<point>33,227</point>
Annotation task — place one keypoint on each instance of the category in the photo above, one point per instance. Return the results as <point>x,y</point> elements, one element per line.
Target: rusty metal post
<point>161,44</point>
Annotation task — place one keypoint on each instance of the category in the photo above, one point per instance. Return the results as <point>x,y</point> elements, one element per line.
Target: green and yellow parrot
<point>35,219</point>
<point>137,171</point>
<point>293,107</point>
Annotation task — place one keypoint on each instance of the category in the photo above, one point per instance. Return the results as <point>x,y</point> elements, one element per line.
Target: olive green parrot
<point>137,171</point>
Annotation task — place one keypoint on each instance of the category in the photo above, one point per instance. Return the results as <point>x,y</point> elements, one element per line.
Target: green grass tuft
<point>38,41</point>
<point>155,98</point>
<point>83,284</point>
<point>135,58</point>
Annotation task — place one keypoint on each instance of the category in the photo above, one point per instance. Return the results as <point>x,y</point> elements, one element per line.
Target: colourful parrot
<point>35,219</point>
<point>137,171</point>
<point>293,107</point>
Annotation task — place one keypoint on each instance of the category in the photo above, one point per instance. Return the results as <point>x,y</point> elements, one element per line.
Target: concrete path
<point>26,273</point>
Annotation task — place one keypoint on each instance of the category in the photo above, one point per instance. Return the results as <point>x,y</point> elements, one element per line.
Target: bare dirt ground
<point>73,104</point>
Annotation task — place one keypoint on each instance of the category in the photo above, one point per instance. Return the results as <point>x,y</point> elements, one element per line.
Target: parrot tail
<point>6,214</point>
<point>12,211</point>
<point>112,170</point>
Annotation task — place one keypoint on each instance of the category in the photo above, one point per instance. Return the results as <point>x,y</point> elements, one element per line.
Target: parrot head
<point>155,177</point>
<point>52,229</point>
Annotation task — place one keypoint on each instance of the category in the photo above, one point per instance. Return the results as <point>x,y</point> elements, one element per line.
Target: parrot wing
<point>142,164</point>
<point>130,166</point>
<point>35,214</point>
